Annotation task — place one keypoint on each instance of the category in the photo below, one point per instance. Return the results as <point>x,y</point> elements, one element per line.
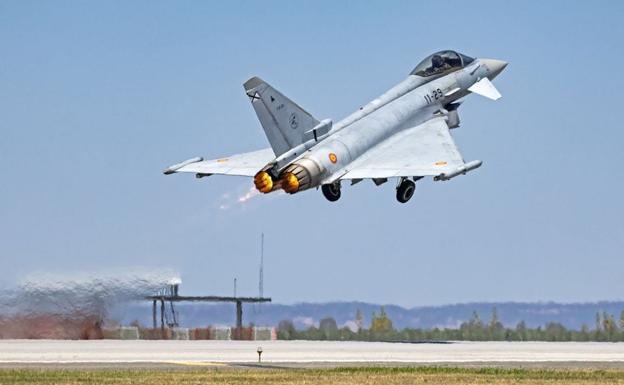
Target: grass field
<point>355,376</point>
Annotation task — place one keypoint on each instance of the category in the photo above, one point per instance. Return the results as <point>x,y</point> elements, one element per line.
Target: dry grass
<point>341,376</point>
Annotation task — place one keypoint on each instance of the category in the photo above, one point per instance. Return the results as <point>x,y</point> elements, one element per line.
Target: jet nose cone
<point>494,66</point>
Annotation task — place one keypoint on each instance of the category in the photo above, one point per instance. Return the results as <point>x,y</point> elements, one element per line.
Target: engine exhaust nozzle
<point>300,175</point>
<point>290,183</point>
<point>263,182</point>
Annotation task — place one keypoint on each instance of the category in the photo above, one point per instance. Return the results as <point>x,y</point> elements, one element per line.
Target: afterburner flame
<point>290,183</point>
<point>263,182</point>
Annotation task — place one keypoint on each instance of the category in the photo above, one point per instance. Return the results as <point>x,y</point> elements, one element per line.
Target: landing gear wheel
<point>331,191</point>
<point>405,190</point>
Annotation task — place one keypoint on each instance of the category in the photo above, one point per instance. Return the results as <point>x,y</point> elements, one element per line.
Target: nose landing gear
<point>405,190</point>
<point>331,191</point>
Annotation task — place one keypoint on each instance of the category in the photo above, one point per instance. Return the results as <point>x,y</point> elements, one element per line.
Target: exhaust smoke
<point>74,306</point>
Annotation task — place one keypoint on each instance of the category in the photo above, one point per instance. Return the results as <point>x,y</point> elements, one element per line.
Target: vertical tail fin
<point>283,121</point>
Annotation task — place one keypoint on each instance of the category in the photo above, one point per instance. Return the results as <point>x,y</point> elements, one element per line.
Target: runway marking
<point>194,363</point>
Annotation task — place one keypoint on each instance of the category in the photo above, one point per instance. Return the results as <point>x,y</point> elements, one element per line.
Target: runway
<point>215,353</point>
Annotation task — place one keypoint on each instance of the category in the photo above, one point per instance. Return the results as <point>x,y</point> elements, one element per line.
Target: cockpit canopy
<point>441,62</point>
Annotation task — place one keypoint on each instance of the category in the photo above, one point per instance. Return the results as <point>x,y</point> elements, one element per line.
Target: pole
<point>173,315</point>
<point>261,278</point>
<point>162,314</point>
<point>239,319</point>
<point>154,314</point>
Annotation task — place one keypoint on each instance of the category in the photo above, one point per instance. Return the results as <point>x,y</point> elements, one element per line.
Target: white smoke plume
<point>83,293</point>
<point>248,195</point>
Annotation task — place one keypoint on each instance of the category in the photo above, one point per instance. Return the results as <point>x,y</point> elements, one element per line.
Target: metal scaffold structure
<point>171,296</point>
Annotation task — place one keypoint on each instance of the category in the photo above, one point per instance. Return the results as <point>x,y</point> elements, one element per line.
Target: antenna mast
<point>261,280</point>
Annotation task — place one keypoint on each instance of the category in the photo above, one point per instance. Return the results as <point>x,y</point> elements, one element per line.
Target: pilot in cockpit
<point>441,62</point>
<point>438,64</point>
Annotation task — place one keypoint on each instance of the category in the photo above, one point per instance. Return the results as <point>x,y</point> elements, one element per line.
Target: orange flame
<point>290,183</point>
<point>263,182</point>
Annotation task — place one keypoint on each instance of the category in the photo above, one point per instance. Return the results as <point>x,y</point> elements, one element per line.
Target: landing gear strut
<point>331,191</point>
<point>405,190</point>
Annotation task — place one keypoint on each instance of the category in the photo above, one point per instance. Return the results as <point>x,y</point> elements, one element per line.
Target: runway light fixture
<point>259,350</point>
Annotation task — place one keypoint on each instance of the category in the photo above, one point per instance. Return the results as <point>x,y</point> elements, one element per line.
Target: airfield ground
<point>298,362</point>
<point>211,352</point>
<point>339,376</point>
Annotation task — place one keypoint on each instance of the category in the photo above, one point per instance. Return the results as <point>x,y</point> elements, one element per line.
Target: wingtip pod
<point>461,170</point>
<point>172,169</point>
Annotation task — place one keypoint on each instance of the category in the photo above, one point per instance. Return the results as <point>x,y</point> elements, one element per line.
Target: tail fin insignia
<point>283,121</point>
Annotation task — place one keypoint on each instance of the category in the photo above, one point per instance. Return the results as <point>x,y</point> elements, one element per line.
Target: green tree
<point>359,320</point>
<point>521,331</point>
<point>345,334</point>
<point>555,331</point>
<point>609,326</point>
<point>474,330</point>
<point>381,325</point>
<point>328,328</point>
<point>313,333</point>
<point>584,334</point>
<point>286,330</point>
<point>598,332</point>
<point>496,330</point>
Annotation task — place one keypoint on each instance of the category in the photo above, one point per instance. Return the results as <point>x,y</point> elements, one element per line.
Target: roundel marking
<point>332,157</point>
<point>293,121</point>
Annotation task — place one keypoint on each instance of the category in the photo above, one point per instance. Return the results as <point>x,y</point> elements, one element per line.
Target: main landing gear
<point>405,190</point>
<point>331,191</point>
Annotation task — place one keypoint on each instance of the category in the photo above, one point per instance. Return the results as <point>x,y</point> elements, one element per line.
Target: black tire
<point>405,191</point>
<point>331,192</point>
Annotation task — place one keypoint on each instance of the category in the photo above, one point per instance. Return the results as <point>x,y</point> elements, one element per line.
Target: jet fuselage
<point>405,105</point>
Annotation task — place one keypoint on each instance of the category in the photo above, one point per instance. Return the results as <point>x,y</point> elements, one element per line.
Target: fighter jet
<point>402,134</point>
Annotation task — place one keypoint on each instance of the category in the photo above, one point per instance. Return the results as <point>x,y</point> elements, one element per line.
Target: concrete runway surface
<point>215,353</point>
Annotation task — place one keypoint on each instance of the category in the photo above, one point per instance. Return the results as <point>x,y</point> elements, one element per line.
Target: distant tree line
<point>606,328</point>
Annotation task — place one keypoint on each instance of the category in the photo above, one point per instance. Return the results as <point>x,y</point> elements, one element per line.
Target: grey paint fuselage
<point>403,106</point>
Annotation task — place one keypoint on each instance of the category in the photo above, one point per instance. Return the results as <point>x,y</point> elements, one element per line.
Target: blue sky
<point>96,98</point>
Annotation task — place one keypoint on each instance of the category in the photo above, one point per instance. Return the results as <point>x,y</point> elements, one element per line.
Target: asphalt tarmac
<point>289,354</point>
